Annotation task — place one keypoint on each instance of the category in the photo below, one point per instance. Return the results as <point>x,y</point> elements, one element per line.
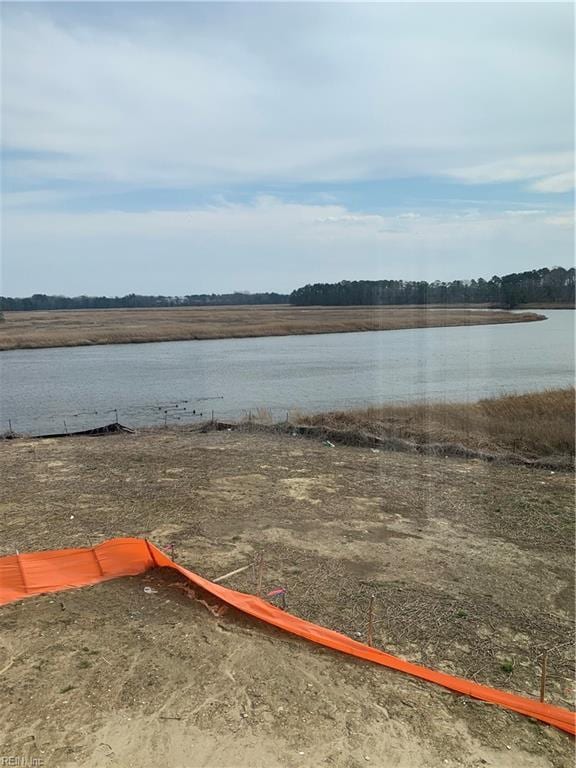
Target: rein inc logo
<point>19,761</point>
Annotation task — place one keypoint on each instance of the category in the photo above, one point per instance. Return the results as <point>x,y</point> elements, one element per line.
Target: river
<point>53,390</point>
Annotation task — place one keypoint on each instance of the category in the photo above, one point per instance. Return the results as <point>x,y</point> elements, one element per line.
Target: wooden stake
<point>370,638</point>
<point>543,675</point>
<point>232,573</point>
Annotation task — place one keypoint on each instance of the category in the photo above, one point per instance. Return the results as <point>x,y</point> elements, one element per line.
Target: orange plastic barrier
<point>37,573</point>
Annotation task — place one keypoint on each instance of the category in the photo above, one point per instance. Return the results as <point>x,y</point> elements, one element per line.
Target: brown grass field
<point>24,330</point>
<point>534,425</point>
<point>471,566</point>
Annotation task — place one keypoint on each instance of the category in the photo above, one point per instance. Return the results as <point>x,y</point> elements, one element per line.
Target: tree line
<point>134,300</point>
<point>544,286</point>
<point>555,285</point>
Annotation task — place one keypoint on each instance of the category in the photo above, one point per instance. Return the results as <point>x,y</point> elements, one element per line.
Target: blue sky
<point>199,147</point>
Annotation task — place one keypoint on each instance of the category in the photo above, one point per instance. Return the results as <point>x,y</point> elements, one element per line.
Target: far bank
<point>73,328</point>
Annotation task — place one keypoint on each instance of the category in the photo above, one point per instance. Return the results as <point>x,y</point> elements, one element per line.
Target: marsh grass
<point>534,425</point>
<point>26,330</point>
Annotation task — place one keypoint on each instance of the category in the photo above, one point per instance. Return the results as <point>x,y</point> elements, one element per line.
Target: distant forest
<point>133,300</point>
<point>546,286</point>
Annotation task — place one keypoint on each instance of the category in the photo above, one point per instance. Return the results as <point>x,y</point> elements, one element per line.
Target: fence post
<point>370,638</point>
<point>259,573</point>
<point>543,675</point>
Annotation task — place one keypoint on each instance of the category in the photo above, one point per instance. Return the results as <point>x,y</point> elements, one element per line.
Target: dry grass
<point>122,326</point>
<point>534,425</point>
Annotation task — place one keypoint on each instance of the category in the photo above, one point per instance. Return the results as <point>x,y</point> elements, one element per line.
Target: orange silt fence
<point>26,575</point>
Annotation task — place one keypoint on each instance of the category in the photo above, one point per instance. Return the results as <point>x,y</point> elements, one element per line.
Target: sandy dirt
<point>470,564</point>
<point>71,328</point>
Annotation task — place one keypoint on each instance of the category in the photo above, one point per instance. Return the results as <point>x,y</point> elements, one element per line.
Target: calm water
<point>42,388</point>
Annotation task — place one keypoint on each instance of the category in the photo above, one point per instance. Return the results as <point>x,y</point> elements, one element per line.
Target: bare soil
<point>471,565</point>
<point>66,328</point>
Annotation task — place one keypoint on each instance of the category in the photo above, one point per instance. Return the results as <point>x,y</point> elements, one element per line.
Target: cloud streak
<point>559,182</point>
<point>553,171</point>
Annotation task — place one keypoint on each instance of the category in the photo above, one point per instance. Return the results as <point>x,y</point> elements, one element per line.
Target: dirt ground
<point>71,328</point>
<point>471,566</point>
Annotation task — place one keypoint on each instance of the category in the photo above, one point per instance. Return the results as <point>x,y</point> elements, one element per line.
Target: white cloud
<point>565,220</point>
<point>347,219</point>
<point>219,94</point>
<point>560,182</point>
<point>553,171</point>
<point>525,212</point>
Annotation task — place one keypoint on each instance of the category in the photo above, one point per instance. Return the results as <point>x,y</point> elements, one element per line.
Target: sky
<point>181,148</point>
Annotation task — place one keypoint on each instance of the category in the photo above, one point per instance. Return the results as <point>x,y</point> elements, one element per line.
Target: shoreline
<point>87,328</point>
<point>530,429</point>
